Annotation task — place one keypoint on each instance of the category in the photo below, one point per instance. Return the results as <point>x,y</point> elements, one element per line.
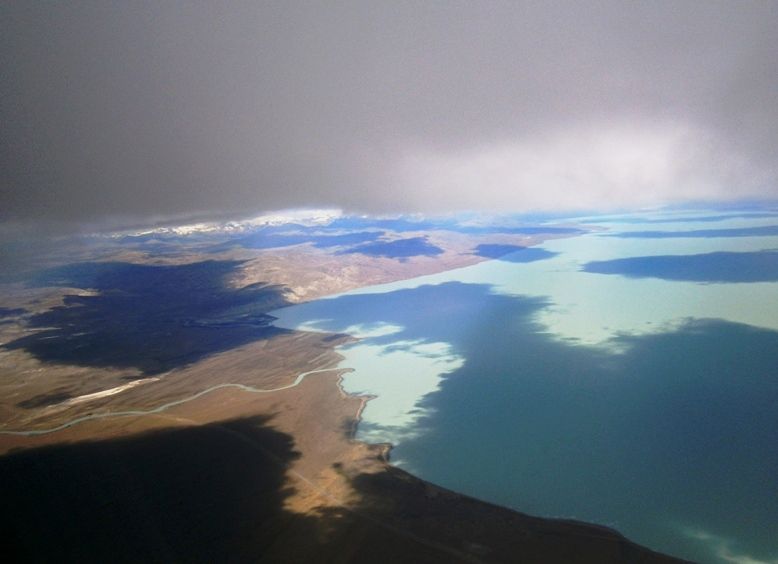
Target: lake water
<point>627,377</point>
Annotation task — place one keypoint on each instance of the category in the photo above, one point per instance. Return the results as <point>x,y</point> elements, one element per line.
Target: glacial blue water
<point>627,394</point>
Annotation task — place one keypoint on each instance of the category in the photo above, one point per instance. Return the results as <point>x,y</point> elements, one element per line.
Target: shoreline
<point>384,448</point>
<point>448,510</point>
<point>423,513</point>
<point>384,455</point>
<point>593,530</point>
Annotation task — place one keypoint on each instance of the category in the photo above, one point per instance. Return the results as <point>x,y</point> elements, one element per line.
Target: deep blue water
<point>631,382</point>
<point>664,437</point>
<point>678,432</point>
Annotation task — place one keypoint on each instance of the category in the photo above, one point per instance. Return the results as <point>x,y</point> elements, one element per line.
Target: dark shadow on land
<point>757,266</point>
<point>47,398</point>
<point>763,231</point>
<point>271,240</point>
<point>153,318</point>
<point>399,248</point>
<point>487,532</point>
<point>212,493</point>
<point>216,493</point>
<point>11,312</point>
<point>510,253</point>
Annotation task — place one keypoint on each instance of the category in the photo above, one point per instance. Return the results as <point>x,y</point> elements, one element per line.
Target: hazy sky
<point>145,109</point>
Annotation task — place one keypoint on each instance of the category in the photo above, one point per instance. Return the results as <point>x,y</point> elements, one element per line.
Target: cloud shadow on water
<point>512,253</point>
<point>153,318</point>
<point>636,439</point>
<point>757,266</point>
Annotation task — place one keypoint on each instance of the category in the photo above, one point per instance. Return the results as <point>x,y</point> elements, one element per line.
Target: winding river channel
<point>165,406</point>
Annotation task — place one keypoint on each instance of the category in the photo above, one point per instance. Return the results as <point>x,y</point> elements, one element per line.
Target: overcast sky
<point>131,109</point>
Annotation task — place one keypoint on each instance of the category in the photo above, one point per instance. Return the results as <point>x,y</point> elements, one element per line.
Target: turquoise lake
<point>627,377</point>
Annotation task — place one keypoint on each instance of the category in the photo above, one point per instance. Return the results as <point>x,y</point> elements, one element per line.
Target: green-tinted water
<point>643,398</point>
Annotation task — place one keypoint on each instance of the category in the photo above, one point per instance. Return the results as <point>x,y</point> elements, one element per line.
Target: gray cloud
<point>135,109</point>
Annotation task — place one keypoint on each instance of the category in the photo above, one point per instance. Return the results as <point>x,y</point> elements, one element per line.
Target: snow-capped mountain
<point>300,217</point>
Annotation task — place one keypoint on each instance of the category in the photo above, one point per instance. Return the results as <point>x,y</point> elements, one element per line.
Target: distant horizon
<point>19,229</point>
